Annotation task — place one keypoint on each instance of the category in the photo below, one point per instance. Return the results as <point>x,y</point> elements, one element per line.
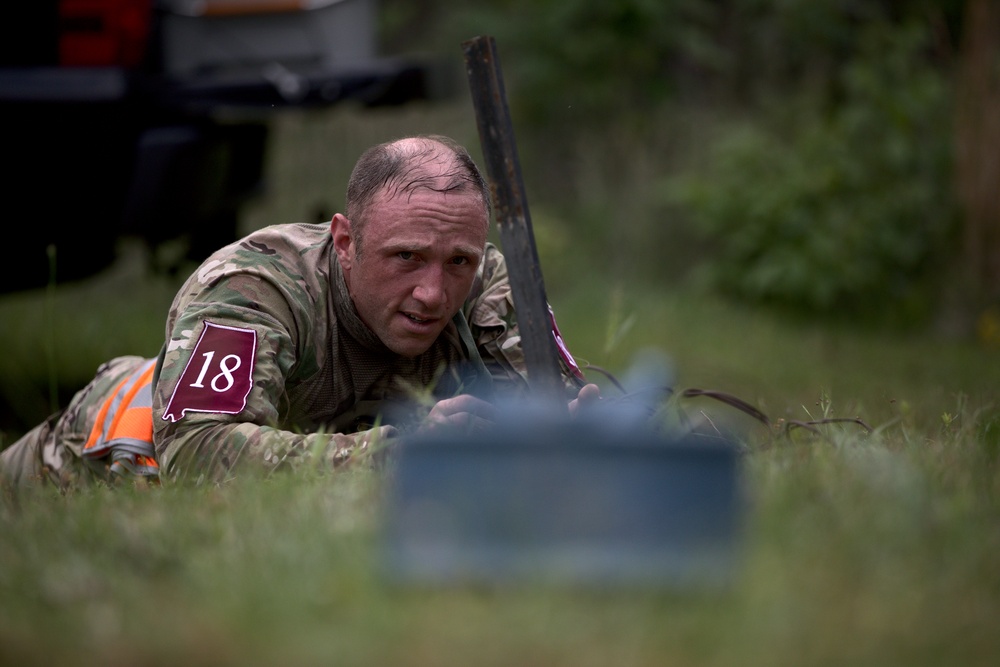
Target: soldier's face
<point>419,257</point>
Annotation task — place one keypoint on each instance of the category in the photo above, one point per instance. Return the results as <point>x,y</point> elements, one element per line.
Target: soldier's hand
<point>463,411</point>
<point>588,396</point>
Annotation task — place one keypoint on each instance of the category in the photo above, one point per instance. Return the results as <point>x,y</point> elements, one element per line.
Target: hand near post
<point>471,414</point>
<point>588,397</point>
<point>464,411</point>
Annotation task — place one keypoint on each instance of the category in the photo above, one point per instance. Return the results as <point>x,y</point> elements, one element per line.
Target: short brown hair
<point>402,166</point>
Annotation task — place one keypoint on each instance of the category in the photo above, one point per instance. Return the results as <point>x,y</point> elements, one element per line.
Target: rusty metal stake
<point>496,135</point>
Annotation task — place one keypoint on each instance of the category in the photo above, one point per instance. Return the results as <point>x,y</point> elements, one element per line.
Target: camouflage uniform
<point>268,365</point>
<point>52,451</point>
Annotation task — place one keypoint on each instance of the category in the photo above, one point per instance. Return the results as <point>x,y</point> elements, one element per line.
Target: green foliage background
<point>796,154</point>
<point>848,209</point>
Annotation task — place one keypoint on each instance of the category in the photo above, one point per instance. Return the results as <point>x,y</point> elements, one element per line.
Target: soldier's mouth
<point>416,319</point>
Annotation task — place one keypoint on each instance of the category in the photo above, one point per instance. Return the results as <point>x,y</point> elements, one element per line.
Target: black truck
<point>150,118</point>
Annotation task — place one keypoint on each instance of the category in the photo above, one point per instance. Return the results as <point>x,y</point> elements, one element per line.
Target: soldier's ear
<point>343,241</point>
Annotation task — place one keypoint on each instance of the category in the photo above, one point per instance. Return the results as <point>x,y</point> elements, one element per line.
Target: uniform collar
<point>347,314</point>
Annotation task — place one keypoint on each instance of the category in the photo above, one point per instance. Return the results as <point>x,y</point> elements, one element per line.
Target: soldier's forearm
<point>217,452</point>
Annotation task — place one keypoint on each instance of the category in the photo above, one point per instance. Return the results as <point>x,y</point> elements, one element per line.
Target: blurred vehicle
<point>150,118</point>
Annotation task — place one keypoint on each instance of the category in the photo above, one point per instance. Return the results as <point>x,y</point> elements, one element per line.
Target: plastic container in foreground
<point>587,502</point>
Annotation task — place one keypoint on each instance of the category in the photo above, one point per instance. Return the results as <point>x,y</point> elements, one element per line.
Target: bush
<point>845,210</point>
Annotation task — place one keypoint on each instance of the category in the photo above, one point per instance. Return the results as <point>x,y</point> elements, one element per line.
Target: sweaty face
<point>419,257</point>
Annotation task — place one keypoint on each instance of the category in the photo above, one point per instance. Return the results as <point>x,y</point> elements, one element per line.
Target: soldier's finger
<point>463,403</point>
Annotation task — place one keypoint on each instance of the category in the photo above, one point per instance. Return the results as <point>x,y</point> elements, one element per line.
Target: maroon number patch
<point>219,374</point>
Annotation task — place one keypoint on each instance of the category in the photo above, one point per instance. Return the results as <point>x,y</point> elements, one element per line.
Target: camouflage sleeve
<point>218,401</point>
<point>493,321</point>
<point>215,452</point>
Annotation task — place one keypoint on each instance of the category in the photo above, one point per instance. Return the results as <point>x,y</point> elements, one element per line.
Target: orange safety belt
<point>124,426</point>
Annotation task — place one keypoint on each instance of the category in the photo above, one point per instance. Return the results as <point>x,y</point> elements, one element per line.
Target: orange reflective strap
<point>124,426</point>
<point>95,442</point>
<point>134,418</point>
<point>133,422</point>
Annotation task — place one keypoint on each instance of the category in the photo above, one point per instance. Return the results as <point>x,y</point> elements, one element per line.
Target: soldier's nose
<point>430,291</point>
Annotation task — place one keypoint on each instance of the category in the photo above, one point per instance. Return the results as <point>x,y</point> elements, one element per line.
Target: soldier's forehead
<point>396,197</point>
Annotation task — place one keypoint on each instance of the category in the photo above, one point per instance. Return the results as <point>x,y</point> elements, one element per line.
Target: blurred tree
<point>977,146</point>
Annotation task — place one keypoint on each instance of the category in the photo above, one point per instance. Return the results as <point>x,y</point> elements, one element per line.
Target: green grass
<point>860,549</point>
<point>877,550</point>
<point>785,367</point>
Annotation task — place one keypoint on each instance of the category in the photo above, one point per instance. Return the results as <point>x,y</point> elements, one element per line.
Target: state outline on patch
<point>241,344</point>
